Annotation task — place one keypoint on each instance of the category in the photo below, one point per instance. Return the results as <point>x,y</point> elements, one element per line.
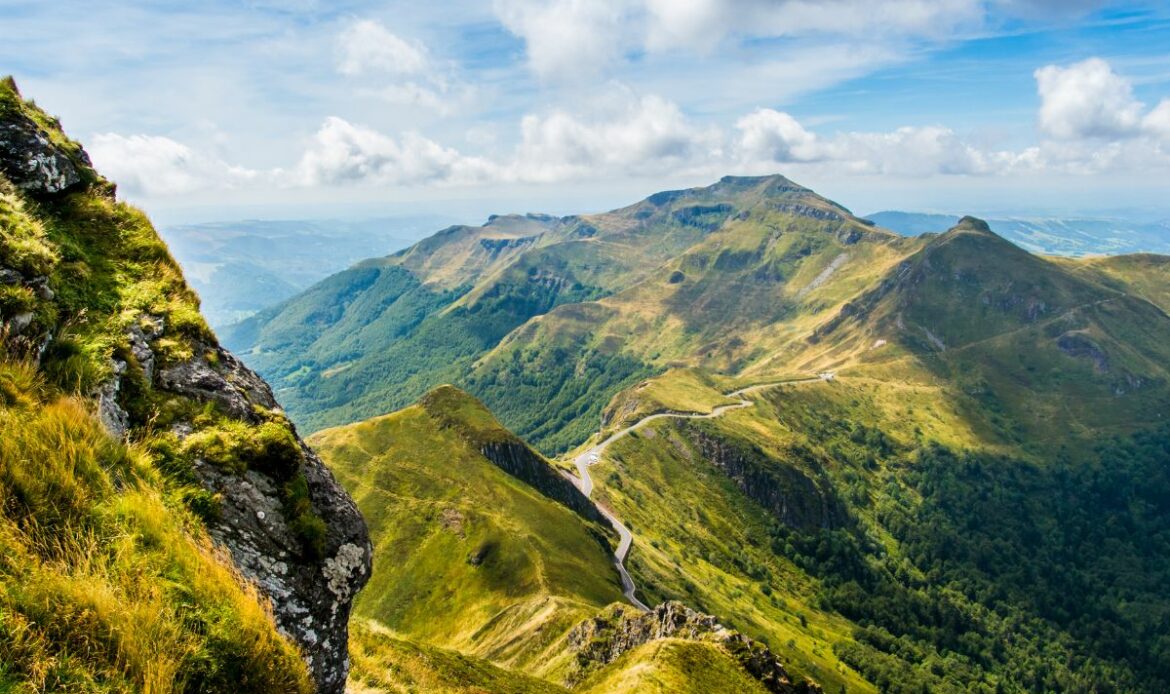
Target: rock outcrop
<point>605,638</point>
<point>310,585</point>
<point>32,161</point>
<point>517,459</point>
<point>311,594</point>
<point>795,498</point>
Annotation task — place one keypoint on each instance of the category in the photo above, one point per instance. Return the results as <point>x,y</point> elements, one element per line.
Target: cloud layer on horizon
<point>1088,122</point>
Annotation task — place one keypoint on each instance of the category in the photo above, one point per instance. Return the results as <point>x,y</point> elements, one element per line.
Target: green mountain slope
<point>971,498</point>
<point>484,568</point>
<point>586,293</point>
<point>977,500</point>
<point>470,556</point>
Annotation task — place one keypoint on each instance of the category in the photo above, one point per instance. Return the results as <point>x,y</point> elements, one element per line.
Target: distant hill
<point>243,266</point>
<point>464,305</point>
<point>1072,236</point>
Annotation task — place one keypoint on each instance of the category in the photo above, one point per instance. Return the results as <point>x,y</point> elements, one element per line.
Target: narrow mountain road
<point>593,455</point>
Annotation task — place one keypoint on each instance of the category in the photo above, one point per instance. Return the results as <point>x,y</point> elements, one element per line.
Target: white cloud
<point>367,46</point>
<point>1086,99</point>
<point>159,166</point>
<point>774,136</point>
<point>704,23</point>
<point>342,152</point>
<point>1157,121</point>
<point>568,38</point>
<point>768,138</point>
<point>576,39</point>
<point>397,71</point>
<point>646,135</point>
<point>1090,123</point>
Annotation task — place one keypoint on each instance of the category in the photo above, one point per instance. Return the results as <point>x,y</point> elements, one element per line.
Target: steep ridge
<point>99,330</point>
<point>473,554</point>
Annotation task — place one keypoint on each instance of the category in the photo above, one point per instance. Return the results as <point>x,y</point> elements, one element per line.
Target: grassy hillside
<point>672,666</point>
<point>109,580</point>
<point>468,556</point>
<point>975,503</point>
<point>386,663</point>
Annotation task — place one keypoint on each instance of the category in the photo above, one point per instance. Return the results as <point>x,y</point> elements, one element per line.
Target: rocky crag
<point>93,299</point>
<point>620,629</point>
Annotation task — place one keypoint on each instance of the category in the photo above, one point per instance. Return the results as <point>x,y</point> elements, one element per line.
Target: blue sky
<point>285,109</point>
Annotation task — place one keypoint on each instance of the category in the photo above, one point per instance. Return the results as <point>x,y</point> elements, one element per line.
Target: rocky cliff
<point>620,629</point>
<point>89,294</point>
<point>798,499</point>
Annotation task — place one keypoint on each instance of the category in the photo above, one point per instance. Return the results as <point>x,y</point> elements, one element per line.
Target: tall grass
<point>107,583</point>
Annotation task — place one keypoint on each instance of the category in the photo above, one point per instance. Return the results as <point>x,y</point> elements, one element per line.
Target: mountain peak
<point>969,223</point>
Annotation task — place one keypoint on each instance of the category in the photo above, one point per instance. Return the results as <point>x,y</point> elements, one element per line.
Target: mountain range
<point>728,438</point>
<point>908,386</point>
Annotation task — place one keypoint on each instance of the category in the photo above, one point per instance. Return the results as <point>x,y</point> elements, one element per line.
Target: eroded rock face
<point>32,162</point>
<point>606,637</point>
<point>311,596</point>
<point>792,496</point>
<point>520,461</point>
<point>311,588</point>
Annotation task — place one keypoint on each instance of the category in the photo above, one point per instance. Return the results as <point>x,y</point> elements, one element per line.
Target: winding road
<point>592,456</point>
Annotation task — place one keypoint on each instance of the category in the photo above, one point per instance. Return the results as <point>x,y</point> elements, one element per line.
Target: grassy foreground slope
<point>468,557</point>
<point>387,663</point>
<point>108,578</point>
<point>154,609</point>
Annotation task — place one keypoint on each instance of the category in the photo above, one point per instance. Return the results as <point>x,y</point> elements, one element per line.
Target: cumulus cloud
<point>367,46</point>
<point>775,136</point>
<point>1157,121</point>
<point>576,38</point>
<point>768,138</point>
<point>159,166</point>
<point>567,38</point>
<point>647,134</point>
<point>1086,99</point>
<point>342,152</point>
<point>1089,123</point>
<point>398,71</point>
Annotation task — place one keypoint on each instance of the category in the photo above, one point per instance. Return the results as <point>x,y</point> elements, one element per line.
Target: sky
<point>298,108</point>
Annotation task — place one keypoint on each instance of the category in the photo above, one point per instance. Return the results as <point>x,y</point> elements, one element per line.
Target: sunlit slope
<point>109,577</point>
<point>701,276</point>
<point>730,303</point>
<point>1044,345</point>
<point>385,663</point>
<point>672,666</point>
<point>467,556</point>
